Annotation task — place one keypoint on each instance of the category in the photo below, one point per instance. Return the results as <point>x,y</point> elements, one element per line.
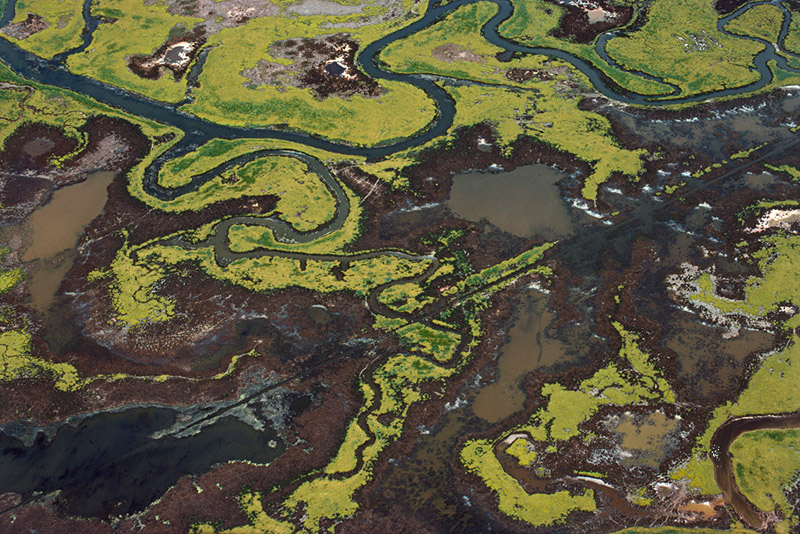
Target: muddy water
<point>51,233</point>
<point>709,364</point>
<point>529,348</point>
<point>523,202</point>
<point>644,439</point>
<point>57,225</point>
<point>422,482</point>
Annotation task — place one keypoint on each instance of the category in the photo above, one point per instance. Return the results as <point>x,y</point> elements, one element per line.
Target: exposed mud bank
<point>38,159</point>
<point>583,21</point>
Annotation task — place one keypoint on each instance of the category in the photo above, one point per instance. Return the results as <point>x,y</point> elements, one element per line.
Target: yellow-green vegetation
<point>58,108</point>
<point>16,361</point>
<point>539,509</point>
<point>495,273</point>
<point>629,379</point>
<point>792,41</point>
<point>792,171</point>
<point>766,463</point>
<point>763,21</point>
<point>268,273</point>
<point>441,344</point>
<point>533,23</point>
<point>386,171</point>
<point>778,372</point>
<point>227,97</point>
<point>400,112</point>
<point>133,292</point>
<point>681,44</point>
<point>455,47</point>
<point>639,497</point>
<point>303,199</point>
<point>777,259</point>
<point>553,120</point>
<point>246,238</point>
<point>522,450</point>
<point>550,113</point>
<point>9,278</point>
<point>404,298</point>
<point>12,98</point>
<point>670,189</point>
<point>640,361</point>
<point>330,496</point>
<point>390,391</point>
<point>106,58</point>
<point>64,19</point>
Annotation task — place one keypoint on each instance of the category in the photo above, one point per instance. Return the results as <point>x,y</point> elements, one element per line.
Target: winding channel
<point>198,131</point>
<point>725,435</point>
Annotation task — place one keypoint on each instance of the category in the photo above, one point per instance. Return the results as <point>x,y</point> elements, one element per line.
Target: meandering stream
<point>198,131</point>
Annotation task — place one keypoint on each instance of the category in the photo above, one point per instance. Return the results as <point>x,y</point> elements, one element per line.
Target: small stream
<point>723,465</point>
<point>108,464</point>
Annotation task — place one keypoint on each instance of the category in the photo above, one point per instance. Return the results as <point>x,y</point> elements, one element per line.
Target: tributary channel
<point>135,468</point>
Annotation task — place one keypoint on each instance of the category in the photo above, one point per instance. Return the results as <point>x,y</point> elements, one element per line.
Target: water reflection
<point>524,202</point>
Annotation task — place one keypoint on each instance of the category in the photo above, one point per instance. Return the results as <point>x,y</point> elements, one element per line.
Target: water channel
<point>136,469</point>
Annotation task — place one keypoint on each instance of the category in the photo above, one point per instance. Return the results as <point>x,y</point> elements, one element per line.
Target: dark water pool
<point>108,465</point>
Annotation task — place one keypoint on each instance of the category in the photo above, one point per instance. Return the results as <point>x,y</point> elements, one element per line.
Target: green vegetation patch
<point>539,509</point>
<point>792,171</point>
<point>64,19</point>
<point>225,96</point>
<point>269,273</point>
<point>16,361</point>
<point>106,58</point>
<point>441,344</point>
<point>404,298</point>
<point>765,463</point>
<point>777,261</point>
<point>9,278</point>
<point>247,238</point>
<point>627,380</point>
<point>522,450</point>
<point>534,22</point>
<point>546,111</point>
<point>133,289</point>
<point>493,274</point>
<point>304,201</point>
<point>763,21</point>
<point>777,372</point>
<point>681,44</point>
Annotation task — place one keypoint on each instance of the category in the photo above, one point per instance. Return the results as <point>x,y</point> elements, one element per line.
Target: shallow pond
<point>51,233</point>
<point>523,202</point>
<point>528,348</point>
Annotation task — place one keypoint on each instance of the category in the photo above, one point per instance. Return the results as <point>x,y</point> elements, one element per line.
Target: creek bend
<point>725,435</point>
<point>132,432</point>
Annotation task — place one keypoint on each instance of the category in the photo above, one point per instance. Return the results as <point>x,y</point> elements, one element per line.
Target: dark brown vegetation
<point>175,55</point>
<point>576,24</point>
<point>23,29</point>
<point>326,65</point>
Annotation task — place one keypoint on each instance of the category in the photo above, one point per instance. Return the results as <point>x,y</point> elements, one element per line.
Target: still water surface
<point>54,229</point>
<point>523,202</point>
